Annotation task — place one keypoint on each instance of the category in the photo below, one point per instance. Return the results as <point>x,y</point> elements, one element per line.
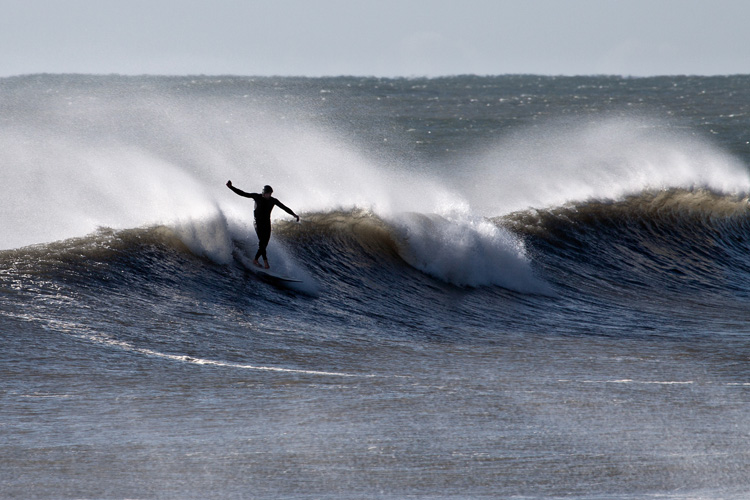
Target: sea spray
<point>121,155</point>
<point>603,158</point>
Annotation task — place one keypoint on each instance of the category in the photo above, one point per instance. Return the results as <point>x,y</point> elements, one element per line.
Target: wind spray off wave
<point>126,155</point>
<point>603,158</point>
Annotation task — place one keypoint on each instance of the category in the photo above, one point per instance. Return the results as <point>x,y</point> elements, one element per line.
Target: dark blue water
<point>514,286</point>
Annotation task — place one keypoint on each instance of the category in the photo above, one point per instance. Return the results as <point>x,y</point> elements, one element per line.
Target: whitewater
<point>513,286</point>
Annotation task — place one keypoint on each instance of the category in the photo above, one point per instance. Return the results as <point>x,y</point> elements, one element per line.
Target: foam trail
<point>226,364</point>
<point>121,344</point>
<point>85,333</point>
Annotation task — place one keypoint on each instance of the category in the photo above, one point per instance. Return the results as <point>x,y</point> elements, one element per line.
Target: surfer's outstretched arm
<point>287,210</point>
<point>238,191</point>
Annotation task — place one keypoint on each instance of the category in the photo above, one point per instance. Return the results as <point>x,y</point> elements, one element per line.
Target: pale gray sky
<point>378,37</point>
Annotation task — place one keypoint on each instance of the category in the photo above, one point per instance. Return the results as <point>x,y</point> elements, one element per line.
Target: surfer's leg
<point>262,250</point>
<point>261,247</point>
<point>264,235</point>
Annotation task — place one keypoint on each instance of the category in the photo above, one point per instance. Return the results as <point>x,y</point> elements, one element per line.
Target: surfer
<point>264,203</point>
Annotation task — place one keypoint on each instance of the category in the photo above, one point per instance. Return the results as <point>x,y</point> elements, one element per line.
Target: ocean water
<point>511,287</point>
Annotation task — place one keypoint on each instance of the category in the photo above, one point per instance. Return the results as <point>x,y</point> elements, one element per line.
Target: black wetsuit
<point>262,214</point>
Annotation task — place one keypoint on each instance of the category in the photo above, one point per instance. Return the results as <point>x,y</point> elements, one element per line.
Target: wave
<point>358,243</point>
<point>674,259</point>
<point>629,199</point>
<point>677,240</point>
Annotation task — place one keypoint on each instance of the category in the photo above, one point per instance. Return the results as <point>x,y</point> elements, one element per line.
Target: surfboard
<point>238,254</point>
<point>275,276</point>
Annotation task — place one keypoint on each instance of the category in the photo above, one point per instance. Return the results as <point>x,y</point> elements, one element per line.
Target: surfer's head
<point>267,190</point>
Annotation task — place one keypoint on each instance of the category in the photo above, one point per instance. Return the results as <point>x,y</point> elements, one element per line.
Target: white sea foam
<point>466,251</point>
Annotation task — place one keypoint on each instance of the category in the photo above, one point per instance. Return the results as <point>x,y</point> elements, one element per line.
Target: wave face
<point>508,286</point>
<point>674,246</point>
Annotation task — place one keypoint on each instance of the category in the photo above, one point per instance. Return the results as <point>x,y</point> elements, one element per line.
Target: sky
<point>384,38</point>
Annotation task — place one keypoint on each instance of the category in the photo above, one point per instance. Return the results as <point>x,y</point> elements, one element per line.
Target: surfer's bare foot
<point>256,263</point>
<point>268,266</point>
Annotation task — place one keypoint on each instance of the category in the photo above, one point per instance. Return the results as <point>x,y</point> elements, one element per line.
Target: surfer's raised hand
<point>229,184</point>
<point>297,217</point>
